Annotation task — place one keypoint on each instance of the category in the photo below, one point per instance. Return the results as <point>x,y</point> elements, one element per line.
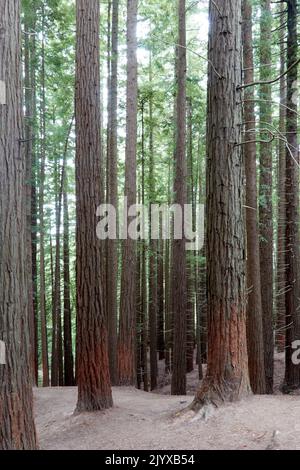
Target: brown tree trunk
<point>160,300</point>
<point>56,362</point>
<point>94,390</point>
<point>112,198</point>
<point>153,313</point>
<point>227,368</point>
<point>17,429</point>
<point>280,275</point>
<point>292,371</point>
<point>190,333</point>
<point>29,82</point>
<point>254,306</point>
<point>42,292</point>
<point>265,195</point>
<point>69,379</point>
<point>153,244</point>
<point>127,334</point>
<point>178,386</point>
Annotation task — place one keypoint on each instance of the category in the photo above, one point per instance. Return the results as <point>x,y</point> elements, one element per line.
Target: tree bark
<point>292,371</point>
<point>42,293</point>
<point>227,368</point>
<point>280,275</point>
<point>265,193</point>
<point>254,307</point>
<point>94,390</point>
<point>153,245</point>
<point>17,430</point>
<point>190,333</point>
<point>69,379</point>
<point>29,51</point>
<point>112,190</point>
<point>179,283</point>
<point>127,333</point>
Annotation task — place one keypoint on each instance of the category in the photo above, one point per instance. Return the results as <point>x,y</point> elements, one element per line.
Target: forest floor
<point>150,421</point>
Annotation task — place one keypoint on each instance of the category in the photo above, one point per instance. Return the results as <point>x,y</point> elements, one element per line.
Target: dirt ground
<point>149,421</point>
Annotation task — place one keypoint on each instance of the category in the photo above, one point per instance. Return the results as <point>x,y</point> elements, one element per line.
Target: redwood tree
<point>265,193</point>
<point>254,306</point>
<point>112,196</point>
<point>127,330</point>
<point>17,429</point>
<point>94,390</point>
<point>292,260</point>
<point>227,369</point>
<point>178,386</point>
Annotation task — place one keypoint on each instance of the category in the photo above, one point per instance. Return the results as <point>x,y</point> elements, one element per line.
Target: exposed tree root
<point>212,396</point>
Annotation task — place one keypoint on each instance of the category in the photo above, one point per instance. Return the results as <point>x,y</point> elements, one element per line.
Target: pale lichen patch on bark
<point>2,92</point>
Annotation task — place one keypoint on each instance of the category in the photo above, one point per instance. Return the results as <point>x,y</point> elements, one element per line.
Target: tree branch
<point>269,82</point>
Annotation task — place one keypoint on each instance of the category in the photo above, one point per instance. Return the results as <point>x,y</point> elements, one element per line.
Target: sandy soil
<point>150,421</point>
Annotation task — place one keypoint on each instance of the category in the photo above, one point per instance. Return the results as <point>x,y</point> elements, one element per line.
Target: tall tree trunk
<point>254,307</point>
<point>144,290</point>
<point>94,390</point>
<point>29,53</point>
<point>292,371</point>
<point>160,300</point>
<point>280,275</point>
<point>139,368</point>
<point>153,313</point>
<point>190,337</point>
<point>153,306</point>
<point>265,194</point>
<point>69,379</point>
<point>178,386</point>
<point>127,334</point>
<point>56,363</point>
<point>227,368</point>
<point>17,430</point>
<point>168,301</point>
<point>42,293</point>
<point>112,190</point>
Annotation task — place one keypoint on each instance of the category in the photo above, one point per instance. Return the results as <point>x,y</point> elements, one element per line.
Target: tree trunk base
<point>212,395</point>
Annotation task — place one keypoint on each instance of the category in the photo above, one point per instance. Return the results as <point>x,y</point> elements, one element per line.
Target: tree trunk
<point>265,194</point>
<point>190,336</point>
<point>69,379</point>
<point>178,386</point>
<point>17,430</point>
<point>227,368</point>
<point>127,333</point>
<point>112,190</point>
<point>160,300</point>
<point>44,334</point>
<point>254,307</point>
<point>56,363</point>
<point>292,371</point>
<point>280,276</point>
<point>29,50</point>
<point>153,244</point>
<point>94,390</point>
